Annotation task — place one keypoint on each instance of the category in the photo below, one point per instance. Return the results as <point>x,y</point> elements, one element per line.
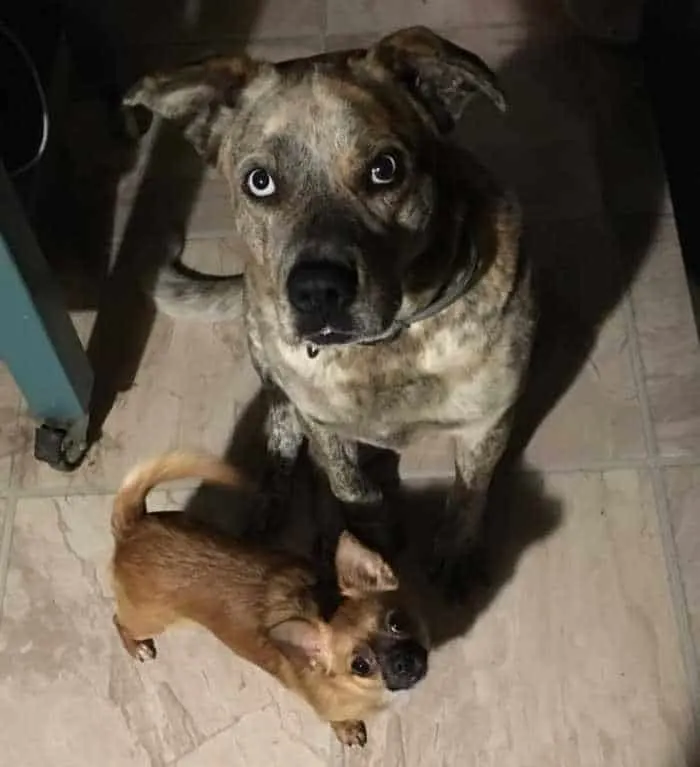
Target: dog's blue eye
<point>384,169</point>
<point>361,666</point>
<point>260,183</point>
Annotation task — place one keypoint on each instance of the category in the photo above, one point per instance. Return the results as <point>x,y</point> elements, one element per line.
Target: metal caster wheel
<point>61,448</point>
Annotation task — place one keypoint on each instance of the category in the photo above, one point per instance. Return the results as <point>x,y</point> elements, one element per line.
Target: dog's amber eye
<point>360,666</point>
<point>259,183</point>
<point>385,169</point>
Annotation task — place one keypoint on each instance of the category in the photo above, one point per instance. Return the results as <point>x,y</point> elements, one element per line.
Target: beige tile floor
<point>587,655</point>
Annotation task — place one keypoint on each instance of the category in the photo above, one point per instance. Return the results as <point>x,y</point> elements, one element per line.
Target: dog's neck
<point>449,291</point>
<point>460,273</point>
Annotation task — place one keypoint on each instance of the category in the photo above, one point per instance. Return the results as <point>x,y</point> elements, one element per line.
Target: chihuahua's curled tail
<point>130,502</point>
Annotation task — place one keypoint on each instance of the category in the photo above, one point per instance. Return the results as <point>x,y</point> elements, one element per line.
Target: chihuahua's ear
<point>360,570</point>
<point>304,641</point>
<point>201,98</point>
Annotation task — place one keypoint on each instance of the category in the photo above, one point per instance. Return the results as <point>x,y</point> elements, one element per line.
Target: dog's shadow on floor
<point>520,513</point>
<point>693,752</point>
<point>579,146</point>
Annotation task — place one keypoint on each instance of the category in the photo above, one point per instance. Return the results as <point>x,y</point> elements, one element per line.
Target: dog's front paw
<point>458,575</point>
<point>272,512</point>
<point>268,519</point>
<point>363,493</point>
<point>350,733</point>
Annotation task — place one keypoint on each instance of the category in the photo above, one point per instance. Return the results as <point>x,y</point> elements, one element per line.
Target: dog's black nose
<point>407,664</point>
<point>321,287</point>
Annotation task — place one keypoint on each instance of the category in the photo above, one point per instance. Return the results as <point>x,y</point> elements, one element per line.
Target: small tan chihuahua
<point>264,605</point>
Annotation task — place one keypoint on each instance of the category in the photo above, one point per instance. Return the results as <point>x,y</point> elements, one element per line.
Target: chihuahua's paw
<point>145,650</point>
<point>141,649</point>
<point>350,733</point>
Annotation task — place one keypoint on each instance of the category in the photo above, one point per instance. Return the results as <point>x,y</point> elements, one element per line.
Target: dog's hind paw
<point>145,650</point>
<point>351,733</point>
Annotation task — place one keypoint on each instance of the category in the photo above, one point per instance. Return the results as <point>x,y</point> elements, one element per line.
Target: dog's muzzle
<point>404,665</point>
<point>321,293</point>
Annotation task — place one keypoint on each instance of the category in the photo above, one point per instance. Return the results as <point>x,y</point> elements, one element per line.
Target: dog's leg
<point>284,434</point>
<point>339,460</point>
<point>141,649</point>
<point>350,733</point>
<point>455,555</point>
<point>284,440</point>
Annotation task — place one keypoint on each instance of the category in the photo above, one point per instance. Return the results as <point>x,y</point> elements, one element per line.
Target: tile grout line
<point>656,462</point>
<point>673,572</point>
<point>8,526</point>
<point>582,467</point>
<point>324,24</point>
<point>336,753</point>
<point>244,39</point>
<point>337,756</point>
<point>65,492</point>
<point>6,547</point>
<point>574,468</point>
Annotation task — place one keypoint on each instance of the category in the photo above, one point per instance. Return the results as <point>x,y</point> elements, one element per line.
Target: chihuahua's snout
<point>321,289</point>
<point>406,665</point>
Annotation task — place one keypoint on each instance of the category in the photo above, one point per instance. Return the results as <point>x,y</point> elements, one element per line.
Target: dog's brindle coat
<point>347,246</point>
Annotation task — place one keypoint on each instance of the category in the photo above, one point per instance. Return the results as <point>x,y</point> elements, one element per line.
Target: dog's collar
<point>446,296</point>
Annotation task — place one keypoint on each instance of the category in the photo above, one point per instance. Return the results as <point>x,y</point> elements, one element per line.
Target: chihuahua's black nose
<point>321,288</point>
<point>406,665</point>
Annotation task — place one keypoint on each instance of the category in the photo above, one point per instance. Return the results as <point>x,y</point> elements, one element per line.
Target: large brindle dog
<point>385,294</point>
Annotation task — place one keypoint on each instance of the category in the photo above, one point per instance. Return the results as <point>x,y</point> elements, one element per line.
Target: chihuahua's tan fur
<point>262,604</point>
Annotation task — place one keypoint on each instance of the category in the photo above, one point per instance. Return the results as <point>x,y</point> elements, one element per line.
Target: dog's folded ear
<point>440,75</point>
<point>361,571</point>
<point>201,98</point>
<point>303,640</point>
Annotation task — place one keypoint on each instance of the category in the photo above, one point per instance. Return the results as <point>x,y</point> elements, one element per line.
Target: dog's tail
<point>130,502</point>
<point>183,292</point>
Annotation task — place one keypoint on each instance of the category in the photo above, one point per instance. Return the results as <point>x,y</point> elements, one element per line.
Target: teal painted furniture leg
<point>38,341</point>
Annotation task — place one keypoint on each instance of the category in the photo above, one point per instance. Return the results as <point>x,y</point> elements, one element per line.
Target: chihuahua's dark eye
<point>396,622</point>
<point>385,169</point>
<point>259,183</point>
<point>361,666</point>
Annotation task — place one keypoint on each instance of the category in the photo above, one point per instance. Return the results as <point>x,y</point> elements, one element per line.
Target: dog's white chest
<point>385,395</point>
